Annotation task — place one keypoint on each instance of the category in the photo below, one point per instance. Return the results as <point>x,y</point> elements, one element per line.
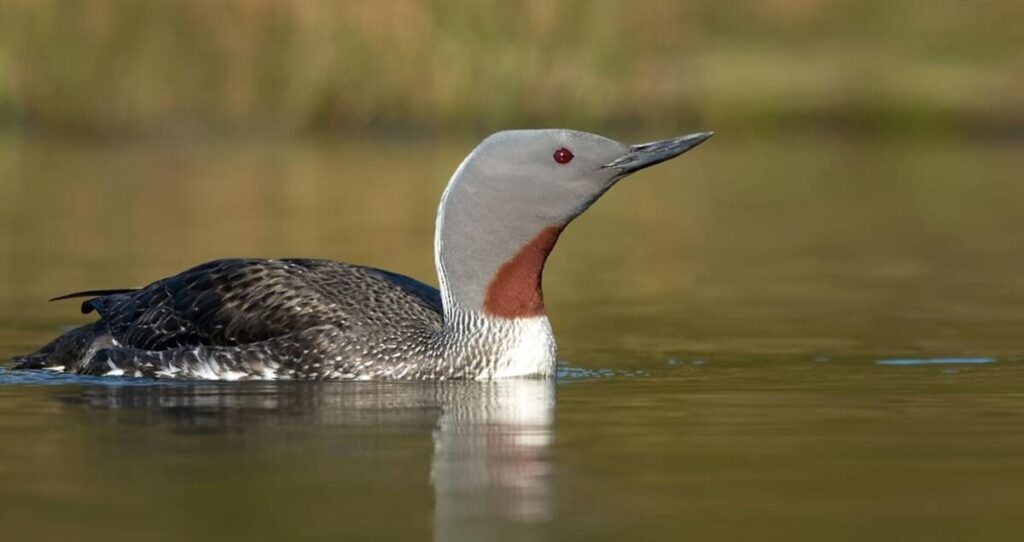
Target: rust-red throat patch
<point>515,290</point>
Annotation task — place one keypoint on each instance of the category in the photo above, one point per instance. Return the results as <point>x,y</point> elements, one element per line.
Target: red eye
<point>563,156</point>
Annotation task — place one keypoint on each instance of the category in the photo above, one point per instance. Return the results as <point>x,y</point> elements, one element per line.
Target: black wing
<point>239,301</point>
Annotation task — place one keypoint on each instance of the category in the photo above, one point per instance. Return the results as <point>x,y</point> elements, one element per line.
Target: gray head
<point>510,199</point>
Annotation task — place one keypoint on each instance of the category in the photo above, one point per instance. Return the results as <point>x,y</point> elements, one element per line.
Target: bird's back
<point>232,302</point>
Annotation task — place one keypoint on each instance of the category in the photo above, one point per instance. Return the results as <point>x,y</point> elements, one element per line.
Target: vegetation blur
<point>865,170</point>
<point>110,68</point>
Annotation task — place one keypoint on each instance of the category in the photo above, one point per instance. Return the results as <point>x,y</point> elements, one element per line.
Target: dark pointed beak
<point>656,152</point>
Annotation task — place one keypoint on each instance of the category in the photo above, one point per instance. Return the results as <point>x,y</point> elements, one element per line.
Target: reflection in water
<point>491,458</point>
<point>489,468</point>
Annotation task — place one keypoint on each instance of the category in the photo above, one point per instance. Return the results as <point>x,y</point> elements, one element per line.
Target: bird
<point>307,319</point>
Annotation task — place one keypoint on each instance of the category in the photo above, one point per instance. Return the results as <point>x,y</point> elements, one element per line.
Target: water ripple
<point>32,377</point>
<point>935,361</point>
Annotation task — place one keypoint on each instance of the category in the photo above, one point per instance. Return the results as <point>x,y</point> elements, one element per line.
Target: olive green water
<point>812,338</point>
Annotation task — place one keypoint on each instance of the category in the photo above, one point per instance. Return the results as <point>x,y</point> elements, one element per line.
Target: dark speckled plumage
<point>250,318</point>
<point>231,302</point>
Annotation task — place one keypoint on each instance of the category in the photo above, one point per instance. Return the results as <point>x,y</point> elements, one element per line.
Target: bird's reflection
<point>489,468</point>
<point>491,458</point>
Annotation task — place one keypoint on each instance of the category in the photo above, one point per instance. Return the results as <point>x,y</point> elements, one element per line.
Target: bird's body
<point>315,319</point>
<point>246,319</point>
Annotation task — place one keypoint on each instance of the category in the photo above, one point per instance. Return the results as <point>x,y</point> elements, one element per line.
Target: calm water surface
<point>811,339</point>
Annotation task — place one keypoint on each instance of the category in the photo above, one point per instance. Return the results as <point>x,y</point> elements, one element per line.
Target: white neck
<point>439,264</point>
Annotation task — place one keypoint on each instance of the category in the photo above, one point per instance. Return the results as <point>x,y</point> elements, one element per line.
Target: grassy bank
<point>107,67</point>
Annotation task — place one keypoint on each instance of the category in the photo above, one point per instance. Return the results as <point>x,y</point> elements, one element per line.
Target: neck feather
<point>492,274</point>
<point>515,290</point>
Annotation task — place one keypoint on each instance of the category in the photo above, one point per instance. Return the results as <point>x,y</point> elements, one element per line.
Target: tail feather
<point>30,361</point>
<point>68,350</point>
<point>93,293</point>
<point>89,304</point>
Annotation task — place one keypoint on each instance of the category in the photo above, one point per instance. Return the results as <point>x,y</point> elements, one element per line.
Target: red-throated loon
<point>499,218</point>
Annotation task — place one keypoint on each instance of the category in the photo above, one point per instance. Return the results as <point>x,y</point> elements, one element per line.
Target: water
<point>805,339</point>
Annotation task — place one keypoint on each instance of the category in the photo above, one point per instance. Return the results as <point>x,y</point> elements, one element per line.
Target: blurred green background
<point>861,195</point>
<point>125,67</point>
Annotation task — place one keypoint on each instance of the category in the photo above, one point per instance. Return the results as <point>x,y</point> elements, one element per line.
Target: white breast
<point>526,348</point>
